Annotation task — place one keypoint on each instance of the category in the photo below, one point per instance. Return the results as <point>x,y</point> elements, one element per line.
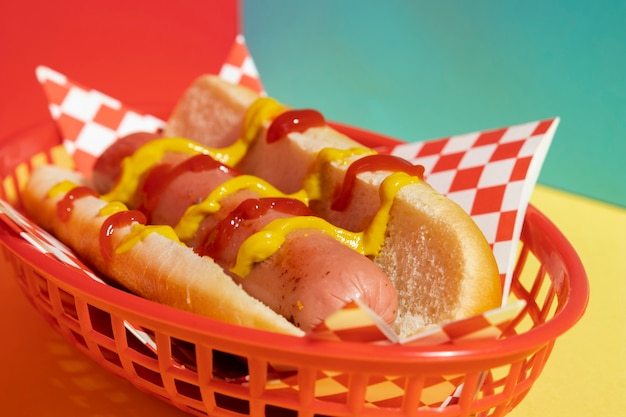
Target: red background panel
<point>143,52</point>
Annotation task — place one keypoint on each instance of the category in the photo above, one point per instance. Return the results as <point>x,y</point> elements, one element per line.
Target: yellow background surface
<point>42,375</point>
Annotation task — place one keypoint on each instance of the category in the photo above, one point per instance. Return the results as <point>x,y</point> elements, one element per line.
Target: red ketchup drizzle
<point>113,222</point>
<point>161,176</point>
<point>368,164</point>
<point>294,121</point>
<point>66,205</point>
<point>252,208</point>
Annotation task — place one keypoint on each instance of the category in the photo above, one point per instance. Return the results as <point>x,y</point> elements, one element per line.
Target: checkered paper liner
<point>490,174</point>
<point>239,67</point>
<point>89,121</point>
<point>355,322</point>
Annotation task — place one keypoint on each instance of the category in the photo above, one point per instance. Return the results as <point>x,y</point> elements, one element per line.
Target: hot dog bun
<point>156,267</point>
<point>214,109</point>
<point>436,256</point>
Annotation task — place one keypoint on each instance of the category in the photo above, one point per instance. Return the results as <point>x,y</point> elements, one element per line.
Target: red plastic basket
<point>183,371</point>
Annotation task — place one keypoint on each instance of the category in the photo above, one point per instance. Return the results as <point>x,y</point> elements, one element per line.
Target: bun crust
<point>438,260</point>
<point>214,109</point>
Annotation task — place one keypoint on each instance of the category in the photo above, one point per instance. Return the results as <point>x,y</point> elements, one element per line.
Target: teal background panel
<point>419,70</point>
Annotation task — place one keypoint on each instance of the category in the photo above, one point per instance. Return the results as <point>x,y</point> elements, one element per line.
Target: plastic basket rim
<point>128,305</point>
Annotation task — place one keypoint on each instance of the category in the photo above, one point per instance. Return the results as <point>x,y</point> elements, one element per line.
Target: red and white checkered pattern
<point>89,121</point>
<point>239,67</point>
<point>356,322</point>
<point>491,174</point>
<point>488,325</point>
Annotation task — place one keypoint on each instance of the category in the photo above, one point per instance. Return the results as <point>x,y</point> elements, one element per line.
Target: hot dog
<point>435,255</point>
<point>439,264</point>
<point>306,286</point>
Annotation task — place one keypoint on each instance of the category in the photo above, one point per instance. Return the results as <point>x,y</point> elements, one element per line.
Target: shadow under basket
<point>206,367</point>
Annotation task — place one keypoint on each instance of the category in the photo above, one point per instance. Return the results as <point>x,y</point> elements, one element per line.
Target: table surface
<point>42,375</point>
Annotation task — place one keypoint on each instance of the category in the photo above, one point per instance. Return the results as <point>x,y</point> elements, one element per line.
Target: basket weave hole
<point>227,366</point>
<point>38,286</point>
<point>110,356</point>
<point>230,403</point>
<point>147,374</point>
<point>68,304</point>
<point>183,352</point>
<point>495,380</point>
<point>506,386</point>
<point>100,321</point>
<point>275,411</point>
<point>532,284</point>
<point>188,390</point>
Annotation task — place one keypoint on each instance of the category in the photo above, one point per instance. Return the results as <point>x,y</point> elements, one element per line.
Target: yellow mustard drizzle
<point>312,183</point>
<point>369,242</point>
<point>189,223</point>
<point>139,231</point>
<point>61,188</point>
<point>261,111</point>
<point>147,156</point>
<point>112,208</point>
<point>268,240</point>
<point>230,155</point>
<point>144,158</point>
